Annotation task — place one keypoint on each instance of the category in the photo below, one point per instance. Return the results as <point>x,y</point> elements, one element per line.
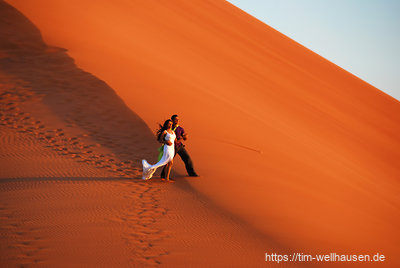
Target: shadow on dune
<point>182,184</point>
<point>76,98</point>
<point>39,179</point>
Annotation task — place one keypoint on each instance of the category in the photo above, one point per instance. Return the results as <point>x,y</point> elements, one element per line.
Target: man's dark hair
<point>173,117</point>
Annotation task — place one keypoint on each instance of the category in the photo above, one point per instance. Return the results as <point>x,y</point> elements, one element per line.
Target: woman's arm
<point>163,139</point>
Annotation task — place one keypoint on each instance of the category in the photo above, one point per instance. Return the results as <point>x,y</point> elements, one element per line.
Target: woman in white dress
<point>166,134</point>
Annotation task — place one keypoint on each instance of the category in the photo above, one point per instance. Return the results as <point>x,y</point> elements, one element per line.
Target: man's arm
<point>183,135</point>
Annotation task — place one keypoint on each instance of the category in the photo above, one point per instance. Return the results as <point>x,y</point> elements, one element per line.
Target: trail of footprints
<point>12,116</point>
<point>140,217</point>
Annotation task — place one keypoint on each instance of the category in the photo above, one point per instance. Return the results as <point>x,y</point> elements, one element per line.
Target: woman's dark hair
<point>162,128</point>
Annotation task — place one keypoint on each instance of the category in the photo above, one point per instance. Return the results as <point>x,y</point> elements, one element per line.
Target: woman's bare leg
<point>168,170</point>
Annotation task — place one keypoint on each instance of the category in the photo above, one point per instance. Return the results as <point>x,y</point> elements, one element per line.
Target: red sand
<point>293,145</point>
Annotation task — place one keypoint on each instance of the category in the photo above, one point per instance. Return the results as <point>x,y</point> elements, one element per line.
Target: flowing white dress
<point>168,155</point>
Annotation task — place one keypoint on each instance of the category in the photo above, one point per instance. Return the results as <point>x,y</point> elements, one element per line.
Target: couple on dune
<point>171,135</point>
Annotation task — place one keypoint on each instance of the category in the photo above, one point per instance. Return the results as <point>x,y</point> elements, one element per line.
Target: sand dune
<point>294,146</point>
<point>71,194</point>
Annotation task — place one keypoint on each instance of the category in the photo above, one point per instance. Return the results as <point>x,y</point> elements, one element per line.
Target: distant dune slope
<point>293,144</point>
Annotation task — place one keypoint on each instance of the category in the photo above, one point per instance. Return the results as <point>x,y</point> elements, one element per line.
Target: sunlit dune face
<point>295,146</point>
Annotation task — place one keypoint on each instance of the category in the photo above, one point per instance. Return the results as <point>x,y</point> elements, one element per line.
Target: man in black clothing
<point>180,147</point>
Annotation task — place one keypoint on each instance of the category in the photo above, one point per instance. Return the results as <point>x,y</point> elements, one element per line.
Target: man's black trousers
<point>185,158</point>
